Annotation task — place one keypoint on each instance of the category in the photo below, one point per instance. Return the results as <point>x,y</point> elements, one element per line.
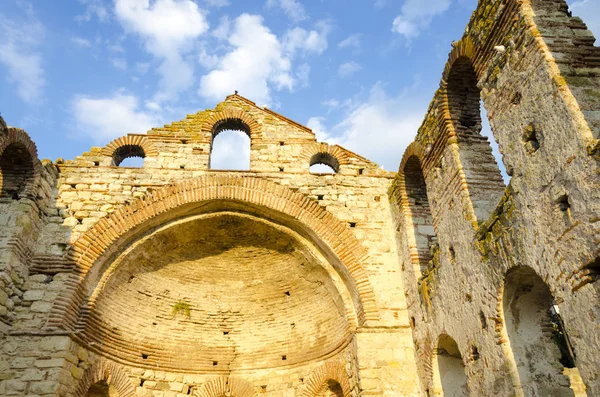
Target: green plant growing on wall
<point>182,308</point>
<point>427,281</point>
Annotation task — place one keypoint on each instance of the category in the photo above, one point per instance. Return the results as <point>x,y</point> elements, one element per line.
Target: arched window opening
<point>16,171</point>
<point>324,163</point>
<point>230,149</point>
<point>449,377</point>
<point>416,191</point>
<point>331,388</point>
<point>484,179</point>
<point>536,333</point>
<point>129,156</point>
<point>102,389</point>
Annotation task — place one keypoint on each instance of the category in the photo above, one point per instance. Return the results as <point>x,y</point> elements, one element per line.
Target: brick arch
<point>110,234</point>
<point>332,370</point>
<point>18,137</point>
<point>105,370</point>
<point>223,386</point>
<point>322,148</point>
<point>231,115</point>
<point>140,141</point>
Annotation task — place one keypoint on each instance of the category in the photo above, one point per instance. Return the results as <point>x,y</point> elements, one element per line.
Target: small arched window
<point>129,156</point>
<point>16,170</point>
<point>324,163</point>
<point>230,148</point>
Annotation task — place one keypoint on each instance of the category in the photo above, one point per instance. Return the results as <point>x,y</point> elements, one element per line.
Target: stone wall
<point>535,68</point>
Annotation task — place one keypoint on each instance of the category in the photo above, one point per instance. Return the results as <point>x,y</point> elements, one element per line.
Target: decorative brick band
<point>109,235</point>
<point>18,137</point>
<point>231,115</point>
<point>334,370</point>
<point>224,386</point>
<point>131,140</point>
<point>324,150</point>
<point>111,373</point>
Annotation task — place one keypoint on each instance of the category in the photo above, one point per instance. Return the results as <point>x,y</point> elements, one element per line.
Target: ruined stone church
<point>174,279</point>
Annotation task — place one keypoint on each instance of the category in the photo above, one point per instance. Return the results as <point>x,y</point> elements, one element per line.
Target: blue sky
<point>79,73</point>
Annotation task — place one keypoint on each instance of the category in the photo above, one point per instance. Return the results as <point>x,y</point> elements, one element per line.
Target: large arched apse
<point>218,292</point>
<point>538,341</point>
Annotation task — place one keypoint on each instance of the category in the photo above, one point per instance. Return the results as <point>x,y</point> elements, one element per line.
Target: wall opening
<point>538,340</point>
<point>16,171</point>
<point>416,191</point>
<point>230,147</point>
<point>102,389</point>
<point>449,377</point>
<point>129,156</point>
<point>331,388</point>
<point>485,182</point>
<point>324,163</point>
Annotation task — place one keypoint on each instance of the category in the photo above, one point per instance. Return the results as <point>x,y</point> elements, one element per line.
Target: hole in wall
<point>144,356</point>
<point>452,254</point>
<point>475,353</point>
<point>215,363</point>
<point>281,169</point>
<point>516,98</point>
<point>563,203</point>
<point>361,171</point>
<point>320,197</point>
<point>284,357</point>
<point>352,224</point>
<point>482,320</point>
<point>281,143</point>
<point>413,322</point>
<point>287,293</point>
<point>142,382</point>
<point>469,298</point>
<point>129,156</point>
<point>96,163</point>
<point>530,139</point>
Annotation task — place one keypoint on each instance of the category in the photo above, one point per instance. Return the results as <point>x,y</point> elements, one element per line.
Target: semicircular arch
<point>224,386</point>
<point>18,137</point>
<point>90,253</point>
<point>105,370</point>
<point>140,141</point>
<point>228,115</point>
<point>331,370</point>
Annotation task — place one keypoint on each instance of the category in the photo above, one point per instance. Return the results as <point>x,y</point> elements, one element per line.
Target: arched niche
<point>16,171</point>
<point>420,211</point>
<point>536,338</point>
<point>462,101</point>
<point>449,377</point>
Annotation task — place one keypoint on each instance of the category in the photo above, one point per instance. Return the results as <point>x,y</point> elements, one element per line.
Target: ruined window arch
<point>418,203</point>
<point>16,170</point>
<point>324,163</point>
<point>129,156</point>
<point>230,145</point>
<point>481,170</point>
<point>331,388</point>
<point>102,389</point>
<point>449,377</point>
<point>536,336</point>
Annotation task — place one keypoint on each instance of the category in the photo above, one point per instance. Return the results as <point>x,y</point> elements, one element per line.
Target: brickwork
<point>174,280</point>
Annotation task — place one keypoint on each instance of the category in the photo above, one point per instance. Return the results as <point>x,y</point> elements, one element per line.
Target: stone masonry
<point>174,279</point>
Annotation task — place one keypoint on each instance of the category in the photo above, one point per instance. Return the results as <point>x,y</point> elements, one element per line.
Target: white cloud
<point>104,119</point>
<point>254,66</point>
<point>348,69</point>
<point>589,11</point>
<point>19,55</point>
<point>379,128</point>
<point>415,16</point>
<point>222,31</point>
<point>303,73</point>
<point>352,41</point>
<point>168,29</point>
<point>299,39</point>
<point>217,3</point>
<point>317,126</point>
<point>93,8</point>
<point>292,8</point>
<point>81,42</point>
<point>119,63</point>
